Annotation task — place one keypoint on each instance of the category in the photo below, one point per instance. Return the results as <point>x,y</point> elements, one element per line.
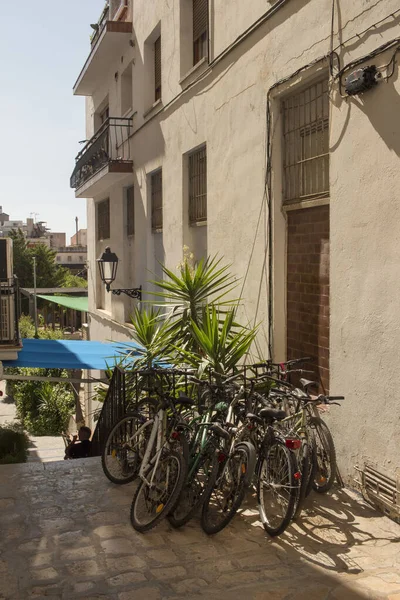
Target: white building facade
<point>227,127</point>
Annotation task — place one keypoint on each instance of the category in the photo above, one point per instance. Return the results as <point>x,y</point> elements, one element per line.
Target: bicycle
<point>162,470</point>
<point>237,460</point>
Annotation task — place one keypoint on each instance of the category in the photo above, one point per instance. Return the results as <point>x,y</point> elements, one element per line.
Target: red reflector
<point>297,475</point>
<point>221,457</point>
<point>175,435</point>
<point>293,444</point>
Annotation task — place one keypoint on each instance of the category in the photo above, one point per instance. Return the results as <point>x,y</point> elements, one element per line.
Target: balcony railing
<point>108,145</point>
<point>101,23</point>
<point>10,311</point>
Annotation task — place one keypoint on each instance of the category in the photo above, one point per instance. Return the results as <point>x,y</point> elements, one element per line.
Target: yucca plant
<point>184,297</point>
<point>152,334</point>
<point>221,343</point>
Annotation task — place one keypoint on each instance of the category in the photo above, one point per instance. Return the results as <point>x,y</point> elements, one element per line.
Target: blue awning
<point>71,354</point>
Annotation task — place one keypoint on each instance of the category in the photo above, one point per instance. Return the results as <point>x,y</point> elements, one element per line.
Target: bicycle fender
<point>252,460</point>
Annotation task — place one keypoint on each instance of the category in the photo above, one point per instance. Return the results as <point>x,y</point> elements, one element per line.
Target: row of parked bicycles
<point>198,444</point>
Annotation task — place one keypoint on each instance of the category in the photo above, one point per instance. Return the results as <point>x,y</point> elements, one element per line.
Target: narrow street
<point>65,533</point>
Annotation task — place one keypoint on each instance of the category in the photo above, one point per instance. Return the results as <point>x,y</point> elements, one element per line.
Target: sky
<point>43,46</point>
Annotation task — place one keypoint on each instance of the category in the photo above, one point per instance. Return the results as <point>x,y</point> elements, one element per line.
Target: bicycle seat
<point>184,400</point>
<point>253,417</point>
<point>274,414</point>
<point>220,431</point>
<point>307,383</point>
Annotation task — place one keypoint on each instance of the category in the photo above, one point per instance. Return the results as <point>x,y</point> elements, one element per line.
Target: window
<point>81,259</point>
<point>104,115</point>
<point>130,211</point>
<point>200,29</point>
<point>69,258</point>
<point>156,201</point>
<point>58,258</point>
<point>126,91</point>
<point>198,186</point>
<point>306,143</point>
<point>103,220</point>
<point>157,68</point>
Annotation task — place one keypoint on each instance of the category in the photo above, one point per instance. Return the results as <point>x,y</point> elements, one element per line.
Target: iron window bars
<point>198,186</point>
<point>306,143</point>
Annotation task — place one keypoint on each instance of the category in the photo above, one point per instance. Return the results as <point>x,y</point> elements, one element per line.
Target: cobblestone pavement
<point>65,533</point>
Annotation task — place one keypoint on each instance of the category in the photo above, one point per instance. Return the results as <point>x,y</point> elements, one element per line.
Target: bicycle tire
<point>271,453</point>
<point>165,503</point>
<point>240,473</point>
<point>324,476</point>
<point>192,496</point>
<point>129,472</point>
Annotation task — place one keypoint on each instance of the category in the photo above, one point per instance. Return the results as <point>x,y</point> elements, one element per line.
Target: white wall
<point>227,111</point>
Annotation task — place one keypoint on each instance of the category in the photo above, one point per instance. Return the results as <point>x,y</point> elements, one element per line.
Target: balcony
<point>104,160</point>
<point>108,43</point>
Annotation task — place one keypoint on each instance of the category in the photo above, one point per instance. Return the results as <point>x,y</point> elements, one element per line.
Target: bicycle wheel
<point>151,504</point>
<point>123,450</point>
<point>226,495</point>
<point>276,487</point>
<point>325,456</point>
<point>198,483</point>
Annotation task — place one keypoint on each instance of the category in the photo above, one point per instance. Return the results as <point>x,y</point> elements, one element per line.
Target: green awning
<point>80,303</point>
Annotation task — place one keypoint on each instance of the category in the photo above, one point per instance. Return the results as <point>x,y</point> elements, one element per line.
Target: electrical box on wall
<point>361,80</point>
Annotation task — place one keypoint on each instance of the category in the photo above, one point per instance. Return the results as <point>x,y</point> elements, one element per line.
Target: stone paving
<point>65,533</point>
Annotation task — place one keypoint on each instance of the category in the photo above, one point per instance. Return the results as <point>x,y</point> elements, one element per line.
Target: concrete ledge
<point>194,72</point>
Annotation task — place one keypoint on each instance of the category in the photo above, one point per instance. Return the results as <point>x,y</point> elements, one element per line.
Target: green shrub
<point>13,445</point>
<point>55,406</point>
<point>43,407</point>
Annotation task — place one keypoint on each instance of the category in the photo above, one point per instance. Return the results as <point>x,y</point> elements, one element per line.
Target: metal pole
<point>34,298</point>
<point>76,226</point>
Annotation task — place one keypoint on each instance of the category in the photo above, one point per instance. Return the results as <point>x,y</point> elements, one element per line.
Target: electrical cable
<point>362,59</point>
<point>332,34</point>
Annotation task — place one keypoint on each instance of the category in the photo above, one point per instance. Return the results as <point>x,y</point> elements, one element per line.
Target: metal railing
<point>10,311</point>
<point>128,388</point>
<point>114,407</point>
<point>101,23</point>
<point>108,144</point>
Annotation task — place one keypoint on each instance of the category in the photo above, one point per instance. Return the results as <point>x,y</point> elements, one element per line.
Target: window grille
<point>200,29</point>
<point>103,220</point>
<point>198,186</point>
<point>306,143</point>
<point>157,68</point>
<point>130,211</point>
<point>156,201</point>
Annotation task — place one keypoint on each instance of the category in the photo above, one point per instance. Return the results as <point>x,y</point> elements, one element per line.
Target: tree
<point>23,263</point>
<point>48,272</point>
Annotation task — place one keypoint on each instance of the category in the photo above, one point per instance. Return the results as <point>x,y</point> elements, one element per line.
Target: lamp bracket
<point>131,292</point>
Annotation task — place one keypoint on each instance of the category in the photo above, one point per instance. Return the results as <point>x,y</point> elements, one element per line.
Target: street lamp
<point>108,265</point>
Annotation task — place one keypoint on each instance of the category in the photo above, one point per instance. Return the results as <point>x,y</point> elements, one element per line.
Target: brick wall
<point>308,287</point>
